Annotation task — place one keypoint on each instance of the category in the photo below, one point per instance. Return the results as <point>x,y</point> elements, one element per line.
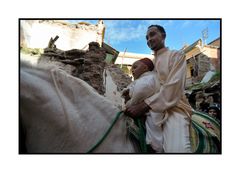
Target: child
<point>145,84</point>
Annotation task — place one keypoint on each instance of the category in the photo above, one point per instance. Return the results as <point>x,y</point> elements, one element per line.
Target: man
<point>214,111</point>
<point>169,100</point>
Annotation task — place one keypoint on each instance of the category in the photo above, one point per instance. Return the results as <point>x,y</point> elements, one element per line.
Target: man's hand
<point>137,110</point>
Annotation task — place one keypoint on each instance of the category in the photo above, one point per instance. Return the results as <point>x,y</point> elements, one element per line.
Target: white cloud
<point>124,30</point>
<point>186,23</point>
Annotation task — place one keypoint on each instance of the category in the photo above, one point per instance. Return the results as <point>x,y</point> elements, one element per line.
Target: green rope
<point>105,134</point>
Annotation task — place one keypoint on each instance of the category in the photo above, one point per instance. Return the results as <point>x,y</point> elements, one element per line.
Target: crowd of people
<point>208,104</point>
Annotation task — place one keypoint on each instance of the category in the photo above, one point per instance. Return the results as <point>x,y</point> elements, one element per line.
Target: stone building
<point>201,59</point>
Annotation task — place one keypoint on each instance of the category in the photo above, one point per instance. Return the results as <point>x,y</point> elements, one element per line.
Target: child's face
<point>138,68</point>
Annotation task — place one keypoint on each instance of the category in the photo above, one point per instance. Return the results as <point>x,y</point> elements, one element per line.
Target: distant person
<point>199,100</point>
<point>204,106</point>
<point>214,111</point>
<point>169,100</point>
<point>210,99</point>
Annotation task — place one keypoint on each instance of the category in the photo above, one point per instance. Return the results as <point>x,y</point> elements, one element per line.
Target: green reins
<point>105,134</point>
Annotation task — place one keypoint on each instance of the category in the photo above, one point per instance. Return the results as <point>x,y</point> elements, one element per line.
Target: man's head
<point>156,37</point>
<point>213,111</point>
<point>141,66</point>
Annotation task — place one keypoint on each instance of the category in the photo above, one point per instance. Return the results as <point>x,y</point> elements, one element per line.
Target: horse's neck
<point>73,114</point>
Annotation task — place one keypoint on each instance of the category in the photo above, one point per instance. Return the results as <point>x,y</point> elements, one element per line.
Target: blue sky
<point>131,34</point>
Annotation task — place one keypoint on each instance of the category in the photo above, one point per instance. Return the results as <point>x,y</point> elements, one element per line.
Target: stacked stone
<point>94,64</point>
<point>86,65</point>
<point>71,61</point>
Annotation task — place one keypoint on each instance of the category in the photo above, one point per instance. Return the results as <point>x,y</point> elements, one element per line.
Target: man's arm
<point>172,89</point>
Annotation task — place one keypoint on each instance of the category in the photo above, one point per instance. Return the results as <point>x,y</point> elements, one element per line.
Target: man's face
<point>212,112</point>
<point>155,39</point>
<point>138,68</point>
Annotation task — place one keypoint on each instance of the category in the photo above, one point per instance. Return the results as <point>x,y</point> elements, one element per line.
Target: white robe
<point>140,89</point>
<point>170,101</point>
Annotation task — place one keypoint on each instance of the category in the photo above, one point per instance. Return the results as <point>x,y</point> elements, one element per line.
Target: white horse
<point>63,114</point>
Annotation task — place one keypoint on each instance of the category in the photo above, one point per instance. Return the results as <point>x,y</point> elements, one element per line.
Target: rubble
<point>86,65</point>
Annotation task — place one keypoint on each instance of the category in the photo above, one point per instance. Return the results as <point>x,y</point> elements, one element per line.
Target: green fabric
<point>205,134</point>
<point>203,139</point>
<point>137,131</point>
<point>142,135</point>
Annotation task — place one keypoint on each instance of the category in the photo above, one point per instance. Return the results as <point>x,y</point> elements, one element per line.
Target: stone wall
<point>86,65</point>
<point>91,67</point>
<point>203,65</point>
<point>197,67</point>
